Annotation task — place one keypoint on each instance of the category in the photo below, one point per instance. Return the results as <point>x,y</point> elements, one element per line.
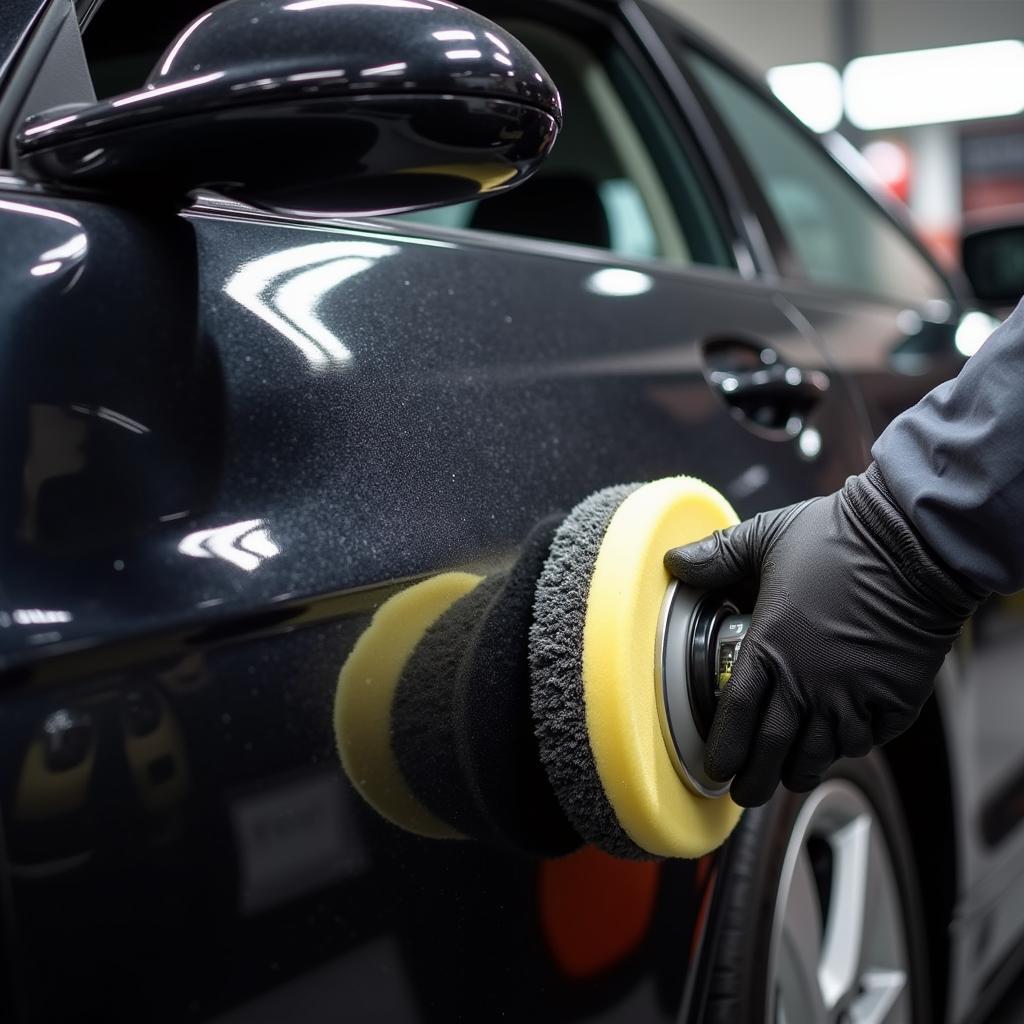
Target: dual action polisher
<point>566,701</point>
<point>699,639</point>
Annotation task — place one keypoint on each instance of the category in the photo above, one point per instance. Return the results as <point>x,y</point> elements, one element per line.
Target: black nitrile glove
<point>852,621</point>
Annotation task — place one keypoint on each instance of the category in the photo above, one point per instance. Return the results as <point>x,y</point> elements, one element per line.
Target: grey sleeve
<point>955,463</point>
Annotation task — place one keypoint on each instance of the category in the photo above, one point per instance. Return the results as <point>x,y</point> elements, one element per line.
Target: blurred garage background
<point>930,91</point>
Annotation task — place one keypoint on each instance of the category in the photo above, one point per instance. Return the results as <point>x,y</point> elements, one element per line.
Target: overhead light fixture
<point>812,91</point>
<point>951,83</point>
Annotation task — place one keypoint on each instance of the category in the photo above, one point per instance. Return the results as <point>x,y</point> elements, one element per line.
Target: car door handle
<point>761,389</point>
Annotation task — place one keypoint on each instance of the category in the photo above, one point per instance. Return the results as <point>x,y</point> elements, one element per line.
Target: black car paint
<point>205,501</point>
<point>434,442</point>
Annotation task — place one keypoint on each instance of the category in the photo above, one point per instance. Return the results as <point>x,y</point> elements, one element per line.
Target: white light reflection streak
<point>40,616</point>
<point>247,545</point>
<point>618,282</point>
<point>162,90</point>
<point>497,42</point>
<point>70,250</point>
<point>452,35</point>
<point>53,259</point>
<point>312,5</point>
<point>463,54</point>
<point>309,76</point>
<point>385,69</point>
<point>284,289</point>
<point>120,420</point>
<point>298,300</point>
<point>50,124</point>
<point>166,66</point>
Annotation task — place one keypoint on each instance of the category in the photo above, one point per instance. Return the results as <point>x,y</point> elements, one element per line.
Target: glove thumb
<point>724,559</point>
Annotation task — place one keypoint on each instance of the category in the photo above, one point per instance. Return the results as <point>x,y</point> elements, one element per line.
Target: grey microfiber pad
<point>494,731</point>
<point>422,725</point>
<point>556,665</point>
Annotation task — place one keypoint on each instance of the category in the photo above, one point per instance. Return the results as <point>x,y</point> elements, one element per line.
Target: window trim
<point>212,206</point>
<point>646,22</point>
<point>86,10</point>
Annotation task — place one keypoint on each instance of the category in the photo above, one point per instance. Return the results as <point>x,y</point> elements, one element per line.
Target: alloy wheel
<point>839,951</point>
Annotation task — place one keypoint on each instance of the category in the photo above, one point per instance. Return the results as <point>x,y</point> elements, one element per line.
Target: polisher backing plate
<point>365,694</point>
<point>626,796</point>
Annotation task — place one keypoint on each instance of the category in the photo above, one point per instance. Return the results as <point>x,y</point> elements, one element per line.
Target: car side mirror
<point>993,260</point>
<point>314,108</point>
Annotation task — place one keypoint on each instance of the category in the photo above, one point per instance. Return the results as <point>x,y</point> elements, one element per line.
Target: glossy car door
<point>229,438</point>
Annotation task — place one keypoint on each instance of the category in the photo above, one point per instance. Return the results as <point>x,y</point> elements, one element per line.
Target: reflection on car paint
<point>284,289</point>
<point>293,837</point>
<point>225,804</point>
<point>133,733</point>
<point>247,545</point>
<point>618,282</point>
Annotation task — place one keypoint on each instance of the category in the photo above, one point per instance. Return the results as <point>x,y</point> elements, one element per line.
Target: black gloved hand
<point>852,621</point>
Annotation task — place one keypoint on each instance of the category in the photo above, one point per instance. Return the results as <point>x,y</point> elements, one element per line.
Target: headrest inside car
<point>563,208</point>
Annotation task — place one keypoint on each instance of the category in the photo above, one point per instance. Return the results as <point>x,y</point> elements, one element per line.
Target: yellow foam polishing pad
<point>366,691</point>
<point>627,588</point>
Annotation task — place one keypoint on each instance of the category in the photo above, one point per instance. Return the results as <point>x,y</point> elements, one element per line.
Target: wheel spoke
<point>880,990</point>
<point>840,966</point>
<point>801,943</point>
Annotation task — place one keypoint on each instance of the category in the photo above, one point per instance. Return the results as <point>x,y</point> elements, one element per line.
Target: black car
<point>236,419</point>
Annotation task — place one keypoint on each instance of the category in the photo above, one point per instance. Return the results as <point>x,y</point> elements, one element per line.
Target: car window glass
<point>617,179</point>
<point>838,234</point>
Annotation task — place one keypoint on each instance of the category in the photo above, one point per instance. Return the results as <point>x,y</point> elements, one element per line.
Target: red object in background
<point>595,910</point>
<point>988,194</point>
<point>943,243</point>
<point>992,166</point>
<point>890,160</point>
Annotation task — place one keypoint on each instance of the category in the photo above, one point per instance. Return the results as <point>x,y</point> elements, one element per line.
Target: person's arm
<point>862,593</point>
<point>955,463</point>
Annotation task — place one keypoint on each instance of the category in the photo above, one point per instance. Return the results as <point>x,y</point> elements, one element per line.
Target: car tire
<point>803,856</point>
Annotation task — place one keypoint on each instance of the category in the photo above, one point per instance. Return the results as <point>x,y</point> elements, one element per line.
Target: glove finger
<point>732,555</point>
<point>810,756</point>
<point>759,777</point>
<point>721,560</point>
<point>737,717</point>
<point>855,737</point>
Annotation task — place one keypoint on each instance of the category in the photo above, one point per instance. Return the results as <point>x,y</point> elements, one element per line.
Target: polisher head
<point>699,636</point>
<point>596,663</point>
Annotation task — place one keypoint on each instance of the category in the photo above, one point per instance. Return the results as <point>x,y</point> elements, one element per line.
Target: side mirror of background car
<point>316,108</point>
<point>993,260</point>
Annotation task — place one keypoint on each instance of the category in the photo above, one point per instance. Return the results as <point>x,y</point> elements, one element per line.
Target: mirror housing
<point>314,108</point>
<point>993,259</point>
